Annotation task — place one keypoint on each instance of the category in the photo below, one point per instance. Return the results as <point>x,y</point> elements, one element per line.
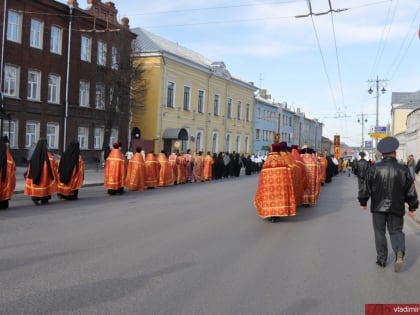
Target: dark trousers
<point>394,224</point>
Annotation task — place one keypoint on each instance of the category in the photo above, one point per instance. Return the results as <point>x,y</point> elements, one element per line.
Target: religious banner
<point>337,147</point>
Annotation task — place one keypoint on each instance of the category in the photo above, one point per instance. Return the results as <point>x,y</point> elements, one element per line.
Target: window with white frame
<point>100,96</point>
<point>84,87</point>
<point>54,88</point>
<point>37,30</point>
<point>10,129</point>
<point>200,107</point>
<point>114,102</point>
<point>229,108</point>
<point>34,85</point>
<point>86,48</point>
<point>115,58</point>
<point>56,39</point>
<point>32,133</point>
<point>170,95</point>
<point>98,138</point>
<point>246,144</point>
<point>83,137</point>
<point>238,117</point>
<point>199,141</point>
<point>227,144</point>
<point>14,26</point>
<point>214,142</point>
<point>11,80</point>
<point>187,90</point>
<point>102,50</point>
<point>247,112</point>
<point>52,135</point>
<point>238,144</point>
<point>257,134</point>
<point>113,137</point>
<point>216,105</point>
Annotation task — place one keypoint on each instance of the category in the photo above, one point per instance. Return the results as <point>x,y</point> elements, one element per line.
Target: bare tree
<point>119,80</point>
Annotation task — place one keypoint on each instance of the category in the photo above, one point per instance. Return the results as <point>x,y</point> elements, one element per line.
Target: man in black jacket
<point>390,186</point>
<point>361,169</point>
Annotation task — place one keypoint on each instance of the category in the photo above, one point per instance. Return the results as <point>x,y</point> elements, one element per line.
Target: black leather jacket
<point>389,185</point>
<point>361,169</point>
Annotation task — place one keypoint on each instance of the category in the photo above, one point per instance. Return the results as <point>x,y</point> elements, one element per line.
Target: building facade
<point>267,122</point>
<point>58,68</point>
<point>191,102</point>
<point>294,127</point>
<point>404,126</point>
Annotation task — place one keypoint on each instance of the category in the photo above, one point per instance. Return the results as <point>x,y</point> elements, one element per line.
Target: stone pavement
<point>93,177</point>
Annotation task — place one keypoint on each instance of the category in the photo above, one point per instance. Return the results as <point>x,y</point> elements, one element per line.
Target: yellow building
<point>402,104</point>
<point>191,102</point>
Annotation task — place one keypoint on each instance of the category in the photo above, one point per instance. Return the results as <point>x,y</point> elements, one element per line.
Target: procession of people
<point>290,177</point>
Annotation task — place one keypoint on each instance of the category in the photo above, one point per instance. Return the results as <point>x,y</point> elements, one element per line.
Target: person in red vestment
<point>166,174</point>
<point>172,161</point>
<point>71,172</point>
<point>7,174</point>
<point>313,173</point>
<point>152,169</point>
<point>114,172</point>
<point>189,167</point>
<point>181,162</point>
<point>42,174</point>
<point>198,170</point>
<point>136,169</point>
<point>302,173</point>
<point>208,167</point>
<point>275,195</point>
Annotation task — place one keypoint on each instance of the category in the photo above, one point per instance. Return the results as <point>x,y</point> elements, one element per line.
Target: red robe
<point>275,195</point>
<point>8,186</point>
<point>76,180</point>
<point>114,173</point>
<point>166,174</point>
<point>48,185</point>
<point>151,178</point>
<point>136,169</point>
<point>208,165</point>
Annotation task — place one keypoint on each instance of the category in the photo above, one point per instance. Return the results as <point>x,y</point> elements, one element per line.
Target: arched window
<point>214,143</point>
<point>238,144</point>
<point>198,142</point>
<point>246,144</point>
<point>227,145</point>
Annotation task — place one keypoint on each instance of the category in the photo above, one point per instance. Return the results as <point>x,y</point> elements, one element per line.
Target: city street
<point>197,249</point>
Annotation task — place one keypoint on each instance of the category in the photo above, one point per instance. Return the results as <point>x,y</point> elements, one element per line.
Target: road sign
<point>379,129</point>
<point>368,145</point>
<point>378,132</point>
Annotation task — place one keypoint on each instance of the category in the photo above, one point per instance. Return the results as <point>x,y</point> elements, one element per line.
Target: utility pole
<point>362,121</point>
<point>377,81</point>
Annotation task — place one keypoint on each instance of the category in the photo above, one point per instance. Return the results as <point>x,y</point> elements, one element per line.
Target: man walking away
<point>389,185</point>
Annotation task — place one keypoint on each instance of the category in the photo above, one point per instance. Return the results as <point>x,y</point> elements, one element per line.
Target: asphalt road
<point>197,249</point>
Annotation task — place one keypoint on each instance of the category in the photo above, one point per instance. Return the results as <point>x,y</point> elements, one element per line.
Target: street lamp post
<point>362,121</point>
<point>377,81</point>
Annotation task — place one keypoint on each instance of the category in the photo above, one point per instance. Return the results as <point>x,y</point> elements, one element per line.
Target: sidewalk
<point>93,177</point>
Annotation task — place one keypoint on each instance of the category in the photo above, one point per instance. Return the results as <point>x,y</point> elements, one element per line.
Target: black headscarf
<point>39,157</point>
<point>69,161</point>
<point>3,159</point>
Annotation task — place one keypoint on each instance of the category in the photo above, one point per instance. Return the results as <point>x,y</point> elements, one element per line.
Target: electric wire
<point>384,37</point>
<point>322,57</point>
<point>337,57</point>
<point>399,58</point>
